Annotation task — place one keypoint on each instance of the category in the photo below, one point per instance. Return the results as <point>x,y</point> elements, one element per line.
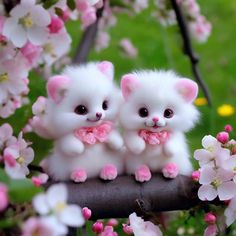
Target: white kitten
<point>157,111</point>
<point>80,115</point>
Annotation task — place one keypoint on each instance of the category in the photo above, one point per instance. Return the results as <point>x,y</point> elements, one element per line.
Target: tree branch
<point>87,39</point>
<point>189,51</point>
<point>122,196</point>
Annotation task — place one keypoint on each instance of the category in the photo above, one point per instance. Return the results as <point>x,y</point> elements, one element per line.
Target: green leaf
<point>7,223</point>
<point>3,177</point>
<point>71,4</point>
<point>22,190</point>
<point>48,3</point>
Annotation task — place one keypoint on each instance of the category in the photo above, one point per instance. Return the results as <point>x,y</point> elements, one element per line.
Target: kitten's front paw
<point>137,147</point>
<point>115,142</point>
<point>143,174</point>
<point>108,172</point>
<point>170,171</point>
<point>78,175</point>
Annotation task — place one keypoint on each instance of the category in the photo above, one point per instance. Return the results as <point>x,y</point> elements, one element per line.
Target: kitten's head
<point>87,93</point>
<point>158,100</point>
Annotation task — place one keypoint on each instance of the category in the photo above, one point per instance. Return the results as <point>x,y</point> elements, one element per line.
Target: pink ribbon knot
<point>154,138</point>
<point>92,135</point>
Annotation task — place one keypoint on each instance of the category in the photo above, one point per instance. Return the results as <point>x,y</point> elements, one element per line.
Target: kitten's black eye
<point>105,105</point>
<point>143,112</point>
<point>81,110</point>
<point>168,113</point>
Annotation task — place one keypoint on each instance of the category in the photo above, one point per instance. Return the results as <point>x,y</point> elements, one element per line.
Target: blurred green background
<point>160,47</point>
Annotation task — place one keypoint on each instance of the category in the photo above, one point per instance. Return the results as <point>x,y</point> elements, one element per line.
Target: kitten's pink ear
<point>57,87</point>
<point>129,83</point>
<point>107,69</point>
<point>187,88</point>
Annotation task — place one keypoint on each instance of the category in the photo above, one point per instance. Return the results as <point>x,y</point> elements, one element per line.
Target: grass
<point>162,48</point>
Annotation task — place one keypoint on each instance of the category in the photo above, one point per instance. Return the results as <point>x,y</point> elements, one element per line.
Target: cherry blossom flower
<point>55,47</point>
<point>128,48</point>
<point>230,212</point>
<point>6,137</point>
<point>143,228</point>
<point>27,21</point>
<point>17,157</point>
<point>53,202</point>
<point>212,152</point>
<point>108,231</point>
<point>216,182</point>
<point>3,197</point>
<point>211,230</point>
<point>40,179</point>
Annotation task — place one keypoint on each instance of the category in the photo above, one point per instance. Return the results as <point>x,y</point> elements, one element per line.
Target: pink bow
<point>154,138</point>
<point>92,135</point>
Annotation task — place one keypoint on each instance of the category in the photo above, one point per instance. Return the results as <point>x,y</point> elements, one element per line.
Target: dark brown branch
<point>189,51</point>
<point>121,197</point>
<point>87,40</point>
<point>9,4</point>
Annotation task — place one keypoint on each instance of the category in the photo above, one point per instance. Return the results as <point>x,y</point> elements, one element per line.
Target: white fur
<point>156,92</point>
<point>90,87</point>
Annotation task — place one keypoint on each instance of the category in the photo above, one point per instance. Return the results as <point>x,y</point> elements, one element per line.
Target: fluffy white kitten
<point>157,111</point>
<point>82,102</point>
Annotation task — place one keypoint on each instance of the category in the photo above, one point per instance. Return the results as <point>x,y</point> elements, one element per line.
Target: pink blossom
<point>128,48</point>
<point>27,21</point>
<point>191,7</point>
<point>143,228</point>
<point>195,175</point>
<point>40,179</point>
<point>82,5</point>
<point>3,197</point>
<point>211,230</point>
<point>32,53</point>
<point>86,213</point>
<point>23,156</point>
<point>210,218</point>
<point>216,182</point>
<point>97,227</point>
<point>88,17</point>
<point>102,41</point>
<point>127,229</point>
<point>212,153</point>
<point>56,24</point>
<point>108,231</point>
<point>113,222</point>
<point>228,128</point>
<point>6,137</point>
<point>222,137</point>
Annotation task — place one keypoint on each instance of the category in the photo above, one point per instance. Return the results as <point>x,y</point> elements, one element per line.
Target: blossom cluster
<point>15,153</point>
<point>32,36</point>
<point>199,27</point>
<point>54,214</point>
<point>217,173</point>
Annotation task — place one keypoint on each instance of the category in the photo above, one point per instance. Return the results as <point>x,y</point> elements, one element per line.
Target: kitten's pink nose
<point>99,115</point>
<point>155,119</point>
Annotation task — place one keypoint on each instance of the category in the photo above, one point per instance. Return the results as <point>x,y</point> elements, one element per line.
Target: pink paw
<point>170,170</point>
<point>78,176</point>
<point>109,172</point>
<point>143,174</point>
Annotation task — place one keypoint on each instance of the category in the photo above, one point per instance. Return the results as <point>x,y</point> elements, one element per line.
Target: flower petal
<point>207,174</point>
<point>227,190</point>
<point>40,204</point>
<point>72,216</point>
<point>207,193</point>
<point>9,26</point>
<point>209,141</point>
<point>37,35</point>
<point>19,36</point>
<point>57,193</point>
<point>40,16</point>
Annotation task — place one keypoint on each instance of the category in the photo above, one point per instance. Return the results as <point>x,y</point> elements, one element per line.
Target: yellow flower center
<point>49,49</point>
<point>4,77</point>
<point>60,206</point>
<point>210,149</point>
<point>216,183</point>
<point>234,169</point>
<point>26,21</point>
<point>20,160</point>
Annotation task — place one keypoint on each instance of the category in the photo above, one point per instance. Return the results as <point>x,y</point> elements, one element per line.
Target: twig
<point>9,4</point>
<point>189,51</point>
<point>122,196</point>
<point>87,40</point>
<point>36,168</point>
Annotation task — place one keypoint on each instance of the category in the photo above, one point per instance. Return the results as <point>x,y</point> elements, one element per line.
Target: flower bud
<point>97,227</point>
<point>210,218</point>
<point>86,213</point>
<point>195,175</point>
<point>222,137</point>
